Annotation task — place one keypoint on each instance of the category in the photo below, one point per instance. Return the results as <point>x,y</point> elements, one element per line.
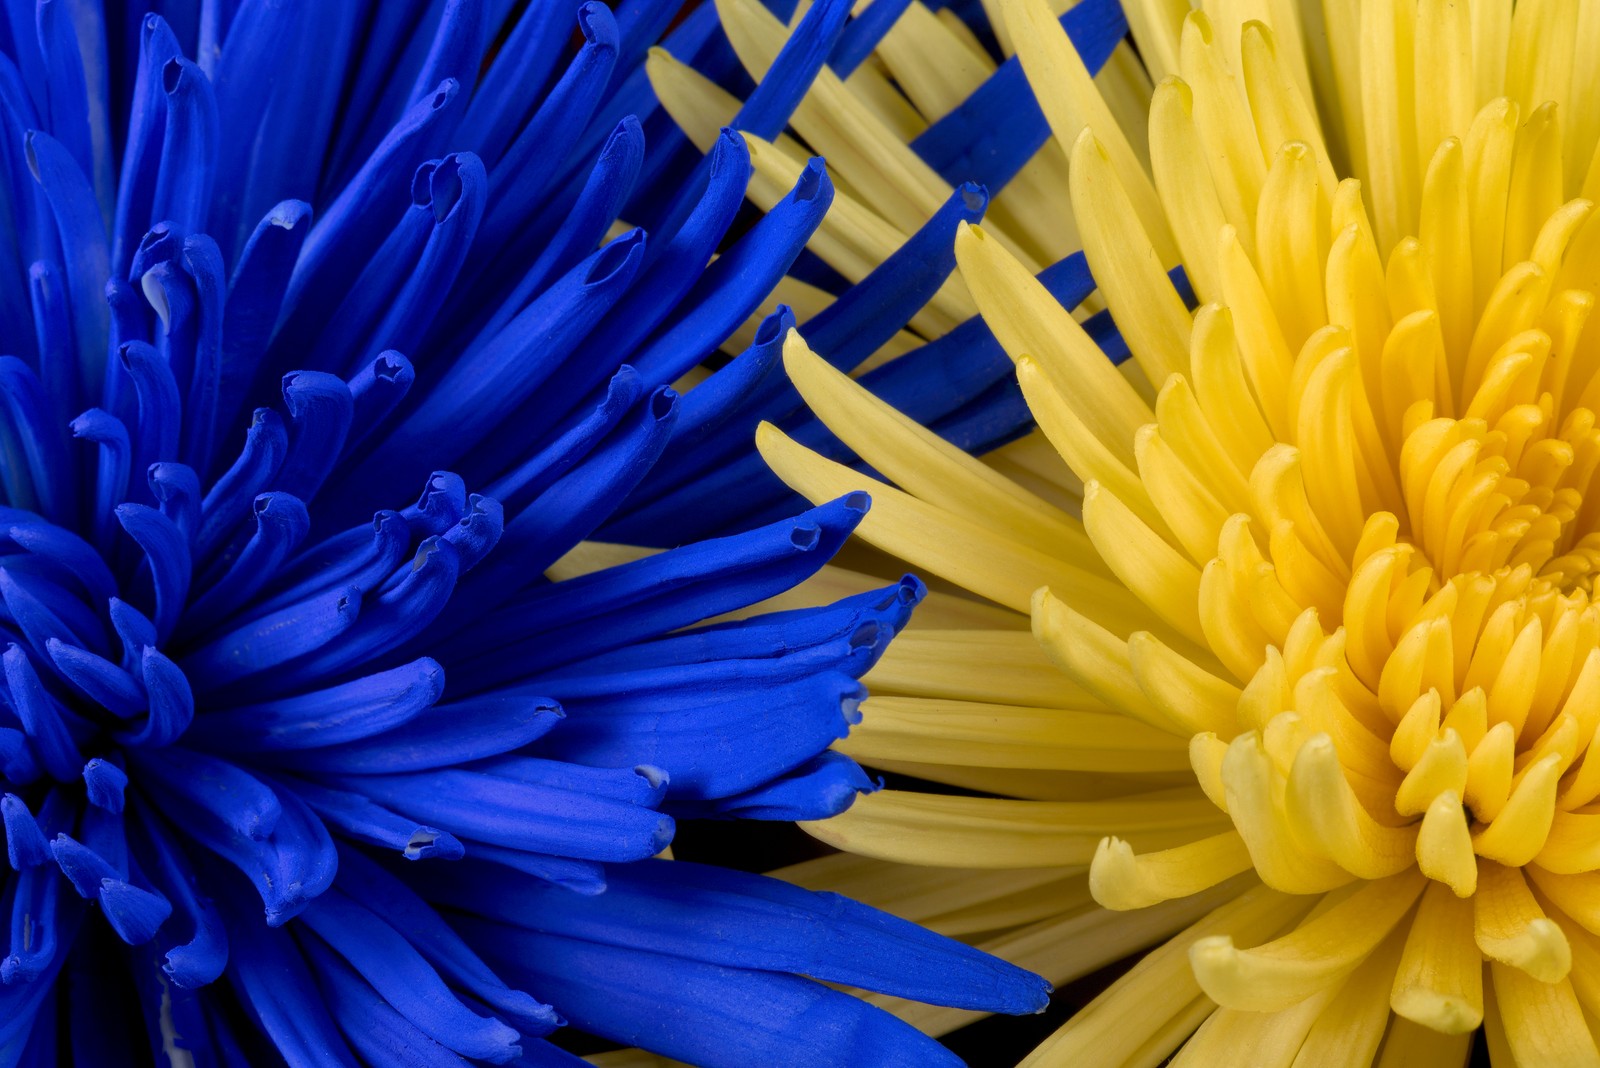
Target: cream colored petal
<point>978,832</point>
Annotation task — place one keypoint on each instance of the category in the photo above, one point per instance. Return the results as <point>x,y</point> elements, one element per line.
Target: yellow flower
<point>1317,578</point>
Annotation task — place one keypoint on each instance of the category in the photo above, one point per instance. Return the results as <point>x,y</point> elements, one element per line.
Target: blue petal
<point>374,705</point>
<point>282,522</point>
<point>407,981</point>
<point>200,959</point>
<point>188,148</point>
<point>518,180</point>
<point>275,638</point>
<point>255,297</point>
<point>390,898</point>
<point>26,845</point>
<point>819,789</point>
<point>523,816</point>
<point>320,413</point>
<point>86,256</point>
<point>995,131</point>
<point>565,621</point>
<point>378,1033</point>
<point>376,391</point>
<point>104,783</point>
<point>231,497</point>
<point>441,736</point>
<point>167,552</point>
<point>364,820</point>
<point>707,1014</point>
<point>273,982</point>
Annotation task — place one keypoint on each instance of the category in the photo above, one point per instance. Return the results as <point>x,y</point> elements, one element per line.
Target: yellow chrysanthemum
<point>1319,586</point>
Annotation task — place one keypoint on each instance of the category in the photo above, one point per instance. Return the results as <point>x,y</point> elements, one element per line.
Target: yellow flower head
<point>1329,546</point>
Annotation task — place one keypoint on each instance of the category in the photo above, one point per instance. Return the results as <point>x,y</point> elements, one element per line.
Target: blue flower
<point>326,361</point>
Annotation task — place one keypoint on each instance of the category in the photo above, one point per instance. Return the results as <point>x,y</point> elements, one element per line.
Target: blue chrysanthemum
<point>325,360</point>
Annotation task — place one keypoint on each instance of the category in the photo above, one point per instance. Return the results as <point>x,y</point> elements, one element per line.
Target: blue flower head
<point>331,349</point>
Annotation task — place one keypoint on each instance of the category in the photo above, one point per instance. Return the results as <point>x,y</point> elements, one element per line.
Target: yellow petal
<point>1543,1022</point>
<point>1121,880</point>
<point>1509,926</point>
<point>1008,736</point>
<point>1440,980</point>
<point>1444,845</point>
<point>982,832</point>
<point>1314,956</point>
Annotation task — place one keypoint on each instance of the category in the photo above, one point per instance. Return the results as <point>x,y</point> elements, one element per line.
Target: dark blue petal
<point>147,121</point>
<point>573,507</point>
<point>160,411</point>
<point>115,459</point>
<point>272,980</point>
<point>707,1014</point>
<point>36,944</point>
<point>255,297</point>
<point>442,736</point>
<point>58,360</point>
<point>869,313</point>
<point>43,610</point>
<point>18,762</point>
<point>374,705</point>
<point>714,741</point>
<point>406,980</point>
<point>523,816</point>
<point>361,557</point>
<point>136,914</point>
<point>171,703</point>
<point>390,898</point>
<point>734,286</point>
<point>559,623</point>
<point>98,679</point>
<point>282,522</point>
<point>200,959</point>
<point>863,34</point>
<point>176,489</point>
<point>105,783</point>
<point>30,414</point>
<point>26,845</point>
<point>580,227</point>
<point>519,71</point>
<point>188,147</point>
<point>392,617</point>
<point>536,474</point>
<point>488,383</point>
<point>741,920</point>
<point>206,788</point>
<point>320,413</point>
<point>202,263</point>
<point>995,131</point>
<point>359,817</point>
<point>70,551</point>
<point>270,640</point>
<point>43,719</point>
<point>347,232</point>
<point>518,179</point>
<point>167,552</point>
<point>376,391</point>
<point>86,257</point>
<point>819,789</point>
<point>232,496</point>
<point>378,1033</point>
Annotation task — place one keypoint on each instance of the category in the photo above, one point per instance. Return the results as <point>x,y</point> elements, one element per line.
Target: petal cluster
<point>327,351</point>
<point>1309,578</point>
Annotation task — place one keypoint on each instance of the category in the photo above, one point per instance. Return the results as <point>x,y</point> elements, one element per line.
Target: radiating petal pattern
<point>333,332</point>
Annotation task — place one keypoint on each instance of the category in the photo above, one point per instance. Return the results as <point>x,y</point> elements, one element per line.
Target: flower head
<point>353,773</point>
<point>1317,575</point>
